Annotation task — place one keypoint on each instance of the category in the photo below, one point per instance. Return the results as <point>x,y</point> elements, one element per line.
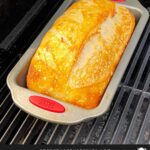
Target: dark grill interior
<point>126,122</point>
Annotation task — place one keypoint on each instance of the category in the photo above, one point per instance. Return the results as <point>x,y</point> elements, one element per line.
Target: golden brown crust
<point>61,68</point>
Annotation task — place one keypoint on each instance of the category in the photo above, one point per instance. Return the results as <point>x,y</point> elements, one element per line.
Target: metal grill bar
<point>136,56</point>
<point>99,124</point>
<point>4,105</point>
<point>97,129</point>
<point>70,134</point>
<point>3,87</point>
<point>6,120</point>
<point>4,91</point>
<point>33,132</point>
<point>77,134</point>
<point>147,85</point>
<point>57,136</point>
<point>132,132</point>
<point>83,132</point>
<point>12,127</point>
<point>144,135</point>
<point>111,124</point>
<point>30,131</point>
<point>3,116</point>
<point>141,71</point>
<point>39,138</point>
<point>125,119</point>
<point>48,142</point>
<point>11,38</point>
<point>48,132</point>
<point>63,137</point>
<point>24,128</point>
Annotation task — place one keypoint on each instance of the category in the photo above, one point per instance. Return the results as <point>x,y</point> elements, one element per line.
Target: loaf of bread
<point>79,54</point>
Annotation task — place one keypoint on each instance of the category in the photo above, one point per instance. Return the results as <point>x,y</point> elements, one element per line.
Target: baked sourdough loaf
<point>78,55</point>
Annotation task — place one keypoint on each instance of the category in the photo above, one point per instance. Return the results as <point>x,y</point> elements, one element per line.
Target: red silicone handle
<point>47,104</point>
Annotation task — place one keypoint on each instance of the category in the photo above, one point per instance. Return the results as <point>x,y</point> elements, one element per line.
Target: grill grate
<point>126,122</point>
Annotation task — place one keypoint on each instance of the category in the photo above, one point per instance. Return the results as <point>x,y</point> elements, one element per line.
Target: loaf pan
<point>62,112</point>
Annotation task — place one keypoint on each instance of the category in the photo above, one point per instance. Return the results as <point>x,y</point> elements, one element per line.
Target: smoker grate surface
<point>127,121</point>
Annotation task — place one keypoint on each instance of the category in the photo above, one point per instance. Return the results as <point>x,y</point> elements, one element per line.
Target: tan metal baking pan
<point>16,79</point>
